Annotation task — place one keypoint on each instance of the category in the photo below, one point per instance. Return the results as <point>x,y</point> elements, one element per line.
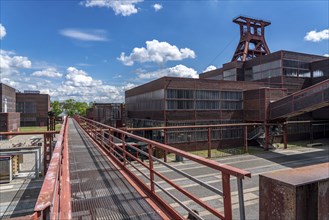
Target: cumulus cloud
<point>49,72</point>
<point>8,61</point>
<point>209,68</point>
<point>158,52</point>
<point>120,7</point>
<point>78,78</point>
<point>157,7</point>
<point>2,31</point>
<point>315,36</point>
<point>83,35</point>
<point>177,71</point>
<point>326,55</point>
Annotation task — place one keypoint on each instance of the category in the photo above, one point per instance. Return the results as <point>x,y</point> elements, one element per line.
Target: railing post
<point>123,148</point>
<point>110,141</point>
<point>241,199</point>
<point>209,142</point>
<point>150,151</point>
<point>227,196</point>
<point>102,138</point>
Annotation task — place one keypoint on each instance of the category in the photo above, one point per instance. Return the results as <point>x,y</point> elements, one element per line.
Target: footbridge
<point>95,173</point>
<point>306,100</point>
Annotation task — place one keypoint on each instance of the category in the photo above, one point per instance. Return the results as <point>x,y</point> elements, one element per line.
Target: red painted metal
<point>225,170</point>
<point>252,31</point>
<point>227,195</point>
<point>150,151</point>
<point>65,204</point>
<point>49,201</point>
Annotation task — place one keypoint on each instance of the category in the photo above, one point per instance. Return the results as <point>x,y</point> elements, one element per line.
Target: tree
<point>70,106</point>
<point>56,107</point>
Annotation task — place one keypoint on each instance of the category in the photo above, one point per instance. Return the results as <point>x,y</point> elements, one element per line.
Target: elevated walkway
<point>306,100</point>
<point>98,189</point>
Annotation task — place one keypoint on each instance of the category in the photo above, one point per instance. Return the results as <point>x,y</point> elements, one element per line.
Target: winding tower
<point>252,39</point>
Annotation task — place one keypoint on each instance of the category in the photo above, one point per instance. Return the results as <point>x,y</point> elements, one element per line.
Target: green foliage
<point>56,107</point>
<point>70,106</point>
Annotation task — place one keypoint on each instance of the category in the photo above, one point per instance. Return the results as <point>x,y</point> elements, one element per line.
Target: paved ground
<point>263,162</point>
<point>19,196</point>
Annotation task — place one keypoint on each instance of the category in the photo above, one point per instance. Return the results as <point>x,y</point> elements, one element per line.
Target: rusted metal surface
<point>120,155</point>
<point>252,31</point>
<point>295,194</point>
<point>48,203</point>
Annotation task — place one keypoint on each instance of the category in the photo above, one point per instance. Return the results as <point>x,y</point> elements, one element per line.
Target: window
<point>180,104</point>
<point>180,94</point>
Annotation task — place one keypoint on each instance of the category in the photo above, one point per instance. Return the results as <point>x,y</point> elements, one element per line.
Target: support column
<point>246,139</point>
<point>209,142</point>
<point>267,137</point>
<point>165,142</point>
<point>311,133</point>
<point>285,136</point>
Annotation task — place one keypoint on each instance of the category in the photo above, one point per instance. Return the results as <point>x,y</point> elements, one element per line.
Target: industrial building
<point>256,86</point>
<point>9,118</point>
<point>112,114</point>
<point>34,108</point>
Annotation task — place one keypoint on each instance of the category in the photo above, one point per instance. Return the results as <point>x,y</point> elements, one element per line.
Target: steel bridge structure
<point>95,173</point>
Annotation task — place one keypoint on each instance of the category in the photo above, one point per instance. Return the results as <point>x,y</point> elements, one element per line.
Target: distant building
<point>112,114</point>
<point>256,86</point>
<point>9,118</point>
<point>33,107</point>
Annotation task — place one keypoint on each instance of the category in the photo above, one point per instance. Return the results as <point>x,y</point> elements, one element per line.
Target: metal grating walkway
<point>98,190</point>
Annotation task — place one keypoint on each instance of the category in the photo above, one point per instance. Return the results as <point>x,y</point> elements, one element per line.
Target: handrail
<point>49,199</point>
<point>103,135</point>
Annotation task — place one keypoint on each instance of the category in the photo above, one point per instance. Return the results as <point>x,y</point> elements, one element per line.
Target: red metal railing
<point>54,198</point>
<point>112,141</point>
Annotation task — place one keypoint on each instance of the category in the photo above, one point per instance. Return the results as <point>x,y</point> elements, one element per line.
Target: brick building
<point>33,107</point>
<point>112,114</point>
<point>256,86</point>
<point>9,118</point>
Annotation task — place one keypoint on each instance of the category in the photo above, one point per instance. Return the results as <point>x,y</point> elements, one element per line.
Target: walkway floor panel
<point>98,190</point>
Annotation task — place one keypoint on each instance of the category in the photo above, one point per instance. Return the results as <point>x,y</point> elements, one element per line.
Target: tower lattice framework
<point>252,39</point>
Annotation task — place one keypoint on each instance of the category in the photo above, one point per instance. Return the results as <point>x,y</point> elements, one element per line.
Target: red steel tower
<point>252,39</point>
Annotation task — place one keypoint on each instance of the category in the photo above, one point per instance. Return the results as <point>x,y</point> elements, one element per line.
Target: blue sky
<point>96,49</point>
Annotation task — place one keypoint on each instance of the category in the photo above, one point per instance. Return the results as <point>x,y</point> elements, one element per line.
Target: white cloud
<point>128,86</point>
<point>9,62</point>
<point>157,7</point>
<point>78,78</point>
<point>158,52</point>
<point>315,36</point>
<point>83,35</point>
<point>2,31</point>
<point>178,71</point>
<point>209,68</point>
<point>49,72</point>
<point>120,7</point>
<point>326,55</point>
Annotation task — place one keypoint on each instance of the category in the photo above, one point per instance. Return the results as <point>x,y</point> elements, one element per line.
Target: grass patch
<point>39,128</point>
<point>222,152</point>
